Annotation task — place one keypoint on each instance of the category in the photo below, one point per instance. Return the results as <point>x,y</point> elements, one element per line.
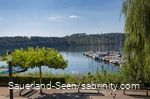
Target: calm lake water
<point>77,63</point>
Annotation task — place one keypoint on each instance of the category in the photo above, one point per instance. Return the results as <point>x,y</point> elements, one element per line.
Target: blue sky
<point>59,17</point>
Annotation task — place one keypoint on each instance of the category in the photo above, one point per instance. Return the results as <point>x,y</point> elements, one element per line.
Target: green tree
<point>137,46</point>
<point>38,57</point>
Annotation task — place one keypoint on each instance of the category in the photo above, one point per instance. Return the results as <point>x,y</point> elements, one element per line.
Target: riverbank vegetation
<point>96,78</point>
<point>99,77</point>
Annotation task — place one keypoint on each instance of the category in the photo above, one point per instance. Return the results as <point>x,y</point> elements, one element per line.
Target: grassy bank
<point>63,78</point>
<point>100,77</point>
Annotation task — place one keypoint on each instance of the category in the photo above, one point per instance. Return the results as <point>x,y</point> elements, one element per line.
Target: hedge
<point>4,80</point>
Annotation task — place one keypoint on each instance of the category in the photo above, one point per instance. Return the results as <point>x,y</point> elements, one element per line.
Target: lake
<point>77,63</point>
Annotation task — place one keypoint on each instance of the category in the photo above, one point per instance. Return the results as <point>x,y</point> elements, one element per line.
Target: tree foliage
<point>38,57</point>
<point>137,46</point>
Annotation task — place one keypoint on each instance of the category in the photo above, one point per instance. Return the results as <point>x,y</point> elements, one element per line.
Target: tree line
<point>78,39</point>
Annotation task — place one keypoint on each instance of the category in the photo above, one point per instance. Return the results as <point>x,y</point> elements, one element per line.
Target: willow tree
<point>137,42</point>
<point>38,57</point>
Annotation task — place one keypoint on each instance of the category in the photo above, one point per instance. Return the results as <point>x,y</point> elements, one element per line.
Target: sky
<point>59,17</point>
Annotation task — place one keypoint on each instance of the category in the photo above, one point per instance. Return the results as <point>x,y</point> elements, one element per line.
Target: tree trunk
<point>40,80</point>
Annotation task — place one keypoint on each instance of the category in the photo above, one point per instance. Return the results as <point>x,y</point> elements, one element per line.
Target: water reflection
<point>76,62</point>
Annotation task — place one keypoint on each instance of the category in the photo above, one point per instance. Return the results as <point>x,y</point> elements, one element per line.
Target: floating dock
<point>17,69</point>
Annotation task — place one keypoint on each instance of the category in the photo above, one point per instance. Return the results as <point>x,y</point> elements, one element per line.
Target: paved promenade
<point>72,94</point>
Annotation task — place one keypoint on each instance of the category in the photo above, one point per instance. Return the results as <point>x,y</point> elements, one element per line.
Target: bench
<point>137,90</point>
<point>23,90</point>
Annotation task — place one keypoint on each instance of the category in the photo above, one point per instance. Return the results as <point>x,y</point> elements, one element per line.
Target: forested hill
<point>79,39</point>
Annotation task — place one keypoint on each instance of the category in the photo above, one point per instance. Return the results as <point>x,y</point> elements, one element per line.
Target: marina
<point>109,57</point>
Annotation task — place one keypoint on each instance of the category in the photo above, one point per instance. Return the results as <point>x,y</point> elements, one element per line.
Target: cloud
<point>60,17</point>
<point>51,18</point>
<point>54,18</point>
<point>73,16</point>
